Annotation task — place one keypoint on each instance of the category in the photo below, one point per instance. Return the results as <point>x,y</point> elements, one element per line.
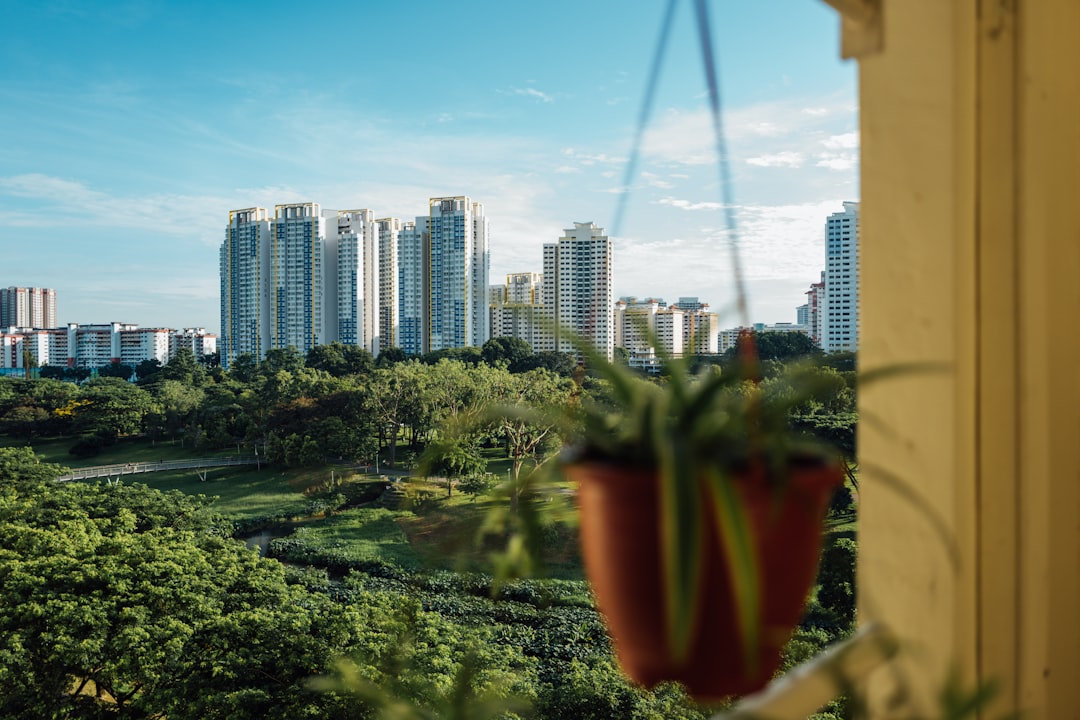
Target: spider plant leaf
<point>737,548</point>
<point>681,530</point>
<point>920,503</point>
<point>865,377</point>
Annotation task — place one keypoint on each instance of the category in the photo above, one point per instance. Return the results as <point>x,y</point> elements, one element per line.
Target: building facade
<point>357,278</point>
<point>96,345</point>
<point>245,284</point>
<point>840,318</point>
<point>516,308</point>
<point>412,289</point>
<point>298,241</point>
<point>456,274</point>
<point>577,289</point>
<point>26,307</point>
<point>388,229</point>
<point>308,276</point>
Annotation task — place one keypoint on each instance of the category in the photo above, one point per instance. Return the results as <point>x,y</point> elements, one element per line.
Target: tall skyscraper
<point>840,326</point>
<point>357,279</point>
<point>388,282</point>
<point>27,307</point>
<point>412,298</point>
<point>298,240</point>
<point>309,276</point>
<point>245,284</point>
<point>577,287</point>
<point>457,261</point>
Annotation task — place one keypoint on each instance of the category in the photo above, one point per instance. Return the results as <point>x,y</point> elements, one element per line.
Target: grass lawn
<point>247,493</point>
<point>126,450</point>
<point>363,534</point>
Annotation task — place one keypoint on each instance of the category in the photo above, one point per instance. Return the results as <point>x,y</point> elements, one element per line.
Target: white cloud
<point>586,158</point>
<point>68,200</point>
<point>780,159</point>
<point>769,134</point>
<point>838,162</point>
<point>687,205</point>
<point>846,141</point>
<point>530,92</point>
<point>654,181</point>
<point>565,169</point>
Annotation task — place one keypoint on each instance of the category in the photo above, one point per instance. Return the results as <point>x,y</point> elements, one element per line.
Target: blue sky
<point>132,128</point>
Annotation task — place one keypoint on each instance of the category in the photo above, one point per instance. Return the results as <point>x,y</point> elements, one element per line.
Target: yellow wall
<point>971,255</point>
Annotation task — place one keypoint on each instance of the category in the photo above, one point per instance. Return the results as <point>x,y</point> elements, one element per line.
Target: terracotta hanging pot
<point>621,545</point>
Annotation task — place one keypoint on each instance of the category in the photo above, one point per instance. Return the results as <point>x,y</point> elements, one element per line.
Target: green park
<point>363,559</point>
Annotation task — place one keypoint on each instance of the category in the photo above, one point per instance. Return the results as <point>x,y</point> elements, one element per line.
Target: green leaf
<point>681,534</point>
<point>901,488</point>
<point>737,547</point>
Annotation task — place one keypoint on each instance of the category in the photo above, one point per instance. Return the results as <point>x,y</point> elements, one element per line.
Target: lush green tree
<point>243,368</point>
<point>21,467</point>
<point>281,359</point>
<point>52,372</point>
<point>843,361</point>
<point>116,369</point>
<point>211,360</point>
<point>392,355</point>
<point>111,405</point>
<point>396,396</point>
<point>467,355</point>
<point>177,404</point>
<point>25,421</point>
<point>340,360</point>
<point>77,374</point>
<point>119,601</point>
<point>185,369</point>
<point>510,351</point>
<point>836,578</point>
<point>531,437</point>
<point>456,458</point>
<point>557,362</point>
<point>782,346</point>
<point>147,368</point>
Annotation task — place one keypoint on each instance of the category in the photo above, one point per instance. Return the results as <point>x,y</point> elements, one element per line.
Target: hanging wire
<point>727,196</point>
<point>643,115</point>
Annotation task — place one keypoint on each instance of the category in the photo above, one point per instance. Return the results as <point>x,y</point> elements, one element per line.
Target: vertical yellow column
<point>971,255</point>
<point>917,305</point>
<point>1048,543</point>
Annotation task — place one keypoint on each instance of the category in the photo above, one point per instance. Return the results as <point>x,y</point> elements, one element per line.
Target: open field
<point>247,493</point>
<point>55,450</point>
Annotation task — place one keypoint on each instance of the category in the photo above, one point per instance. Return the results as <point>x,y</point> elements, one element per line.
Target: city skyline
<point>141,126</point>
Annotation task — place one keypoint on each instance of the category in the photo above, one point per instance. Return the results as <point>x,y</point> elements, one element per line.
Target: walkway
<point>119,469</point>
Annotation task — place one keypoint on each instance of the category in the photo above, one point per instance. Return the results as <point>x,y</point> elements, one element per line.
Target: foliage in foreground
<point>122,601</point>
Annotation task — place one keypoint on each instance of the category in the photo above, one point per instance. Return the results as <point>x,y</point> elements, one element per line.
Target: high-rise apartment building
<point>298,241</point>
<point>810,314</point>
<point>456,278</point>
<point>357,278</point>
<point>516,309</point>
<point>26,307</point>
<point>245,284</point>
<point>412,298</point>
<point>308,276</point>
<point>700,327</point>
<point>840,318</point>
<point>388,229</point>
<point>577,288</point>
